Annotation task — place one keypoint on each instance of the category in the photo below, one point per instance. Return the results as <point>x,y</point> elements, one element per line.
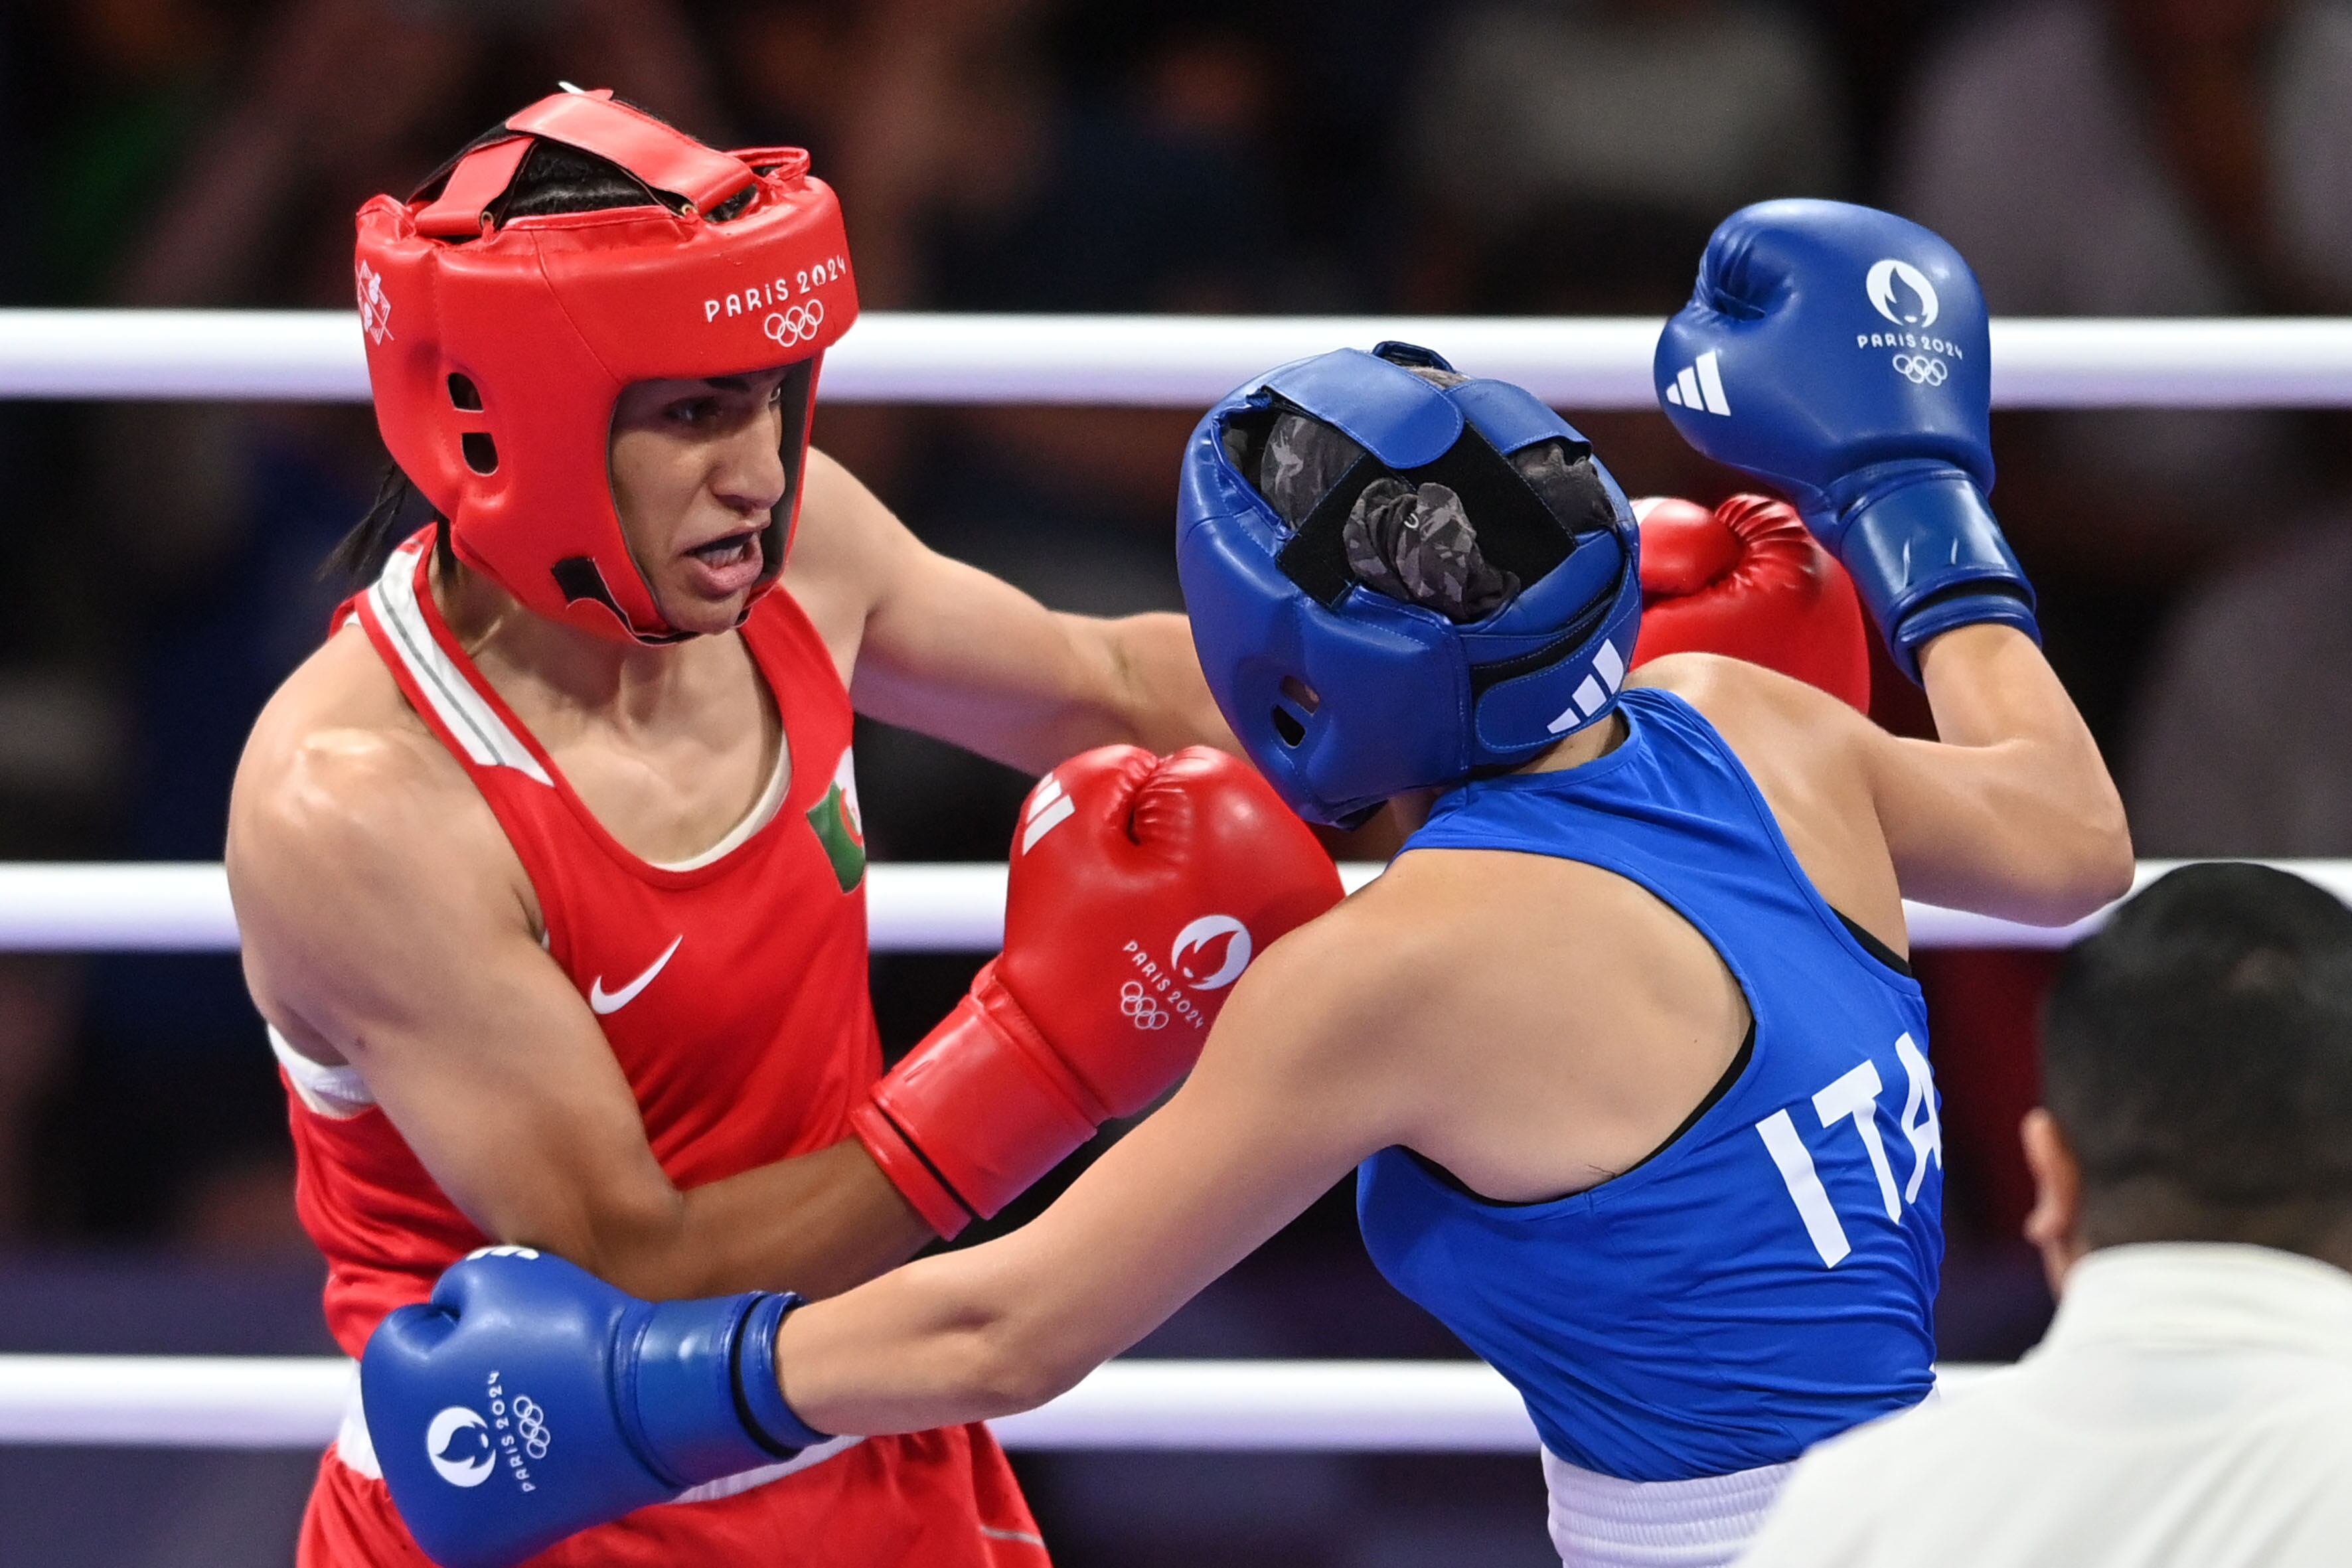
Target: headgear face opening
<point>496,350</point>
<point>1345,696</point>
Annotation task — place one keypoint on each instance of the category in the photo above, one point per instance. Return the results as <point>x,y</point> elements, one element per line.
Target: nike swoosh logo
<point>600,1001</point>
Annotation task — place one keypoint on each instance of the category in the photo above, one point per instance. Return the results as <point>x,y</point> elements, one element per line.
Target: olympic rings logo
<point>789,327</point>
<point>375,309</point>
<point>1137,1005</point>
<point>530,1426</point>
<point>1923,370</point>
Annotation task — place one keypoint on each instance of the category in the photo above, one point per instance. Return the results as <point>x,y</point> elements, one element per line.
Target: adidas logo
<point>1607,675</point>
<point>1048,808</point>
<point>1700,386</point>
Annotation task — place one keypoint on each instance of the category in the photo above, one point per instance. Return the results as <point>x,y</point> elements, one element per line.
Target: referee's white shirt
<point>2191,1407</point>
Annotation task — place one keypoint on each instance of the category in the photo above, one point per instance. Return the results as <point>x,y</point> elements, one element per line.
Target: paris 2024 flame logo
<point>459,1443</point>
<point>1902,293</point>
<point>1211,952</point>
<point>1207,955</point>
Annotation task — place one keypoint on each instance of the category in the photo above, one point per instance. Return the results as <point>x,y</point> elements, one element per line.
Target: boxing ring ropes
<point>253,1402</point>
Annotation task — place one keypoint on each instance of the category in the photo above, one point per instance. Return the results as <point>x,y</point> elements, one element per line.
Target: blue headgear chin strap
<point>1344,697</point>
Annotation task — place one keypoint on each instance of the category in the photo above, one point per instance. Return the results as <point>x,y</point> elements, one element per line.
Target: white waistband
<point>357,1450</point>
<point>1601,1522</point>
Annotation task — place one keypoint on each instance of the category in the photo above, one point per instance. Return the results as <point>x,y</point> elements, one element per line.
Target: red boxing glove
<point>1140,888</point>
<point>1747,581</point>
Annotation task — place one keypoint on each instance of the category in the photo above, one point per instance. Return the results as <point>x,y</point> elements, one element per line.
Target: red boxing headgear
<point>497,351</point>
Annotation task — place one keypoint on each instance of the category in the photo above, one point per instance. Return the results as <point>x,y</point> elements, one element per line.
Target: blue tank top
<point>1764,1280</point>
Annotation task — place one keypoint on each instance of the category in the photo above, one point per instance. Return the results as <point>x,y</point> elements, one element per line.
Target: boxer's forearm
<point>1312,1066</point>
<point>816,1224</point>
<point>939,1342</point>
<point>1989,686</point>
<point>1159,700</point>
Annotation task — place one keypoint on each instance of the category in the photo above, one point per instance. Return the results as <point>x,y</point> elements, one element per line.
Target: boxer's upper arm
<point>1310,1068</point>
<point>382,915</point>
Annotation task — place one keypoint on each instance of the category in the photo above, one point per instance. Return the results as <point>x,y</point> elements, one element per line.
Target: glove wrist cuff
<point>985,1101</point>
<point>758,1381</point>
<point>1930,621</point>
<point>909,1169</point>
<point>675,1389</point>
<point>1927,556</point>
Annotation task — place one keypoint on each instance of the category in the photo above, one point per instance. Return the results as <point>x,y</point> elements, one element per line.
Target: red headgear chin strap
<point>497,352</point>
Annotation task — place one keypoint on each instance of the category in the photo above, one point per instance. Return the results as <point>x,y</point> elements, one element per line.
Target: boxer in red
<point>548,864</point>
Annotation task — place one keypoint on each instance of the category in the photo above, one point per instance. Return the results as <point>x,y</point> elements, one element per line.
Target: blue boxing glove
<point>530,1399</point>
<point>1839,354</point>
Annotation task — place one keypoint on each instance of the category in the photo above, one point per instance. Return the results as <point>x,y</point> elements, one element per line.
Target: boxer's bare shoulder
<point>1807,751</point>
<point>337,748</point>
<point>345,807</point>
<point>1551,1087</point>
<point>1756,708</point>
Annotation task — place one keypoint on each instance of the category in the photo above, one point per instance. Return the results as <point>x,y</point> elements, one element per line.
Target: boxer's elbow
<point>2110,876</point>
<point>2083,863</point>
<point>2096,833</point>
<point>637,1242</point>
<point>2102,861</point>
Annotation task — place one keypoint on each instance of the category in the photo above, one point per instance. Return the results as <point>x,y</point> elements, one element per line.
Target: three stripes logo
<point>1049,807</point>
<point>1588,700</point>
<point>1699,386</point>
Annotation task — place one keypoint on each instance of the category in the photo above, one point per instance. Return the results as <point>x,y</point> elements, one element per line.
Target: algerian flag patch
<point>839,828</point>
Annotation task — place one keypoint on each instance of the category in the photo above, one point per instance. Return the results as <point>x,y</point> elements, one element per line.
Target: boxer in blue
<point>1624,1043</point>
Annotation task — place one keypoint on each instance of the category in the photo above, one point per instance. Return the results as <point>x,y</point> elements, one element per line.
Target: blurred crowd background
<point>2090,157</point>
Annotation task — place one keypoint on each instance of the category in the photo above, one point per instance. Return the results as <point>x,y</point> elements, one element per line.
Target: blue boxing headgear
<point>1344,696</point>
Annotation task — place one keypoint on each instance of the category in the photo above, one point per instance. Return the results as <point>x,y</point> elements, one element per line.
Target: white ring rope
<point>296,1402</point>
<point>1189,362</point>
<point>71,907</point>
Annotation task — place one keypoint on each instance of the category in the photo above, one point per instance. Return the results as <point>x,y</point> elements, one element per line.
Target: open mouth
<point>729,550</point>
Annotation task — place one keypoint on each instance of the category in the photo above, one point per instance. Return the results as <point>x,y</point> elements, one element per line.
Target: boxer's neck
<point>1588,744</point>
<point>627,680</point>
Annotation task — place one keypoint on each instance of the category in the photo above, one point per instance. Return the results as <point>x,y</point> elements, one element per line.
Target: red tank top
<point>733,994</point>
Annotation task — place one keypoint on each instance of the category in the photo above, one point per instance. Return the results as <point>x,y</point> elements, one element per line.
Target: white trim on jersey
<point>763,811</point>
<point>477,727</point>
<point>337,1093</point>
